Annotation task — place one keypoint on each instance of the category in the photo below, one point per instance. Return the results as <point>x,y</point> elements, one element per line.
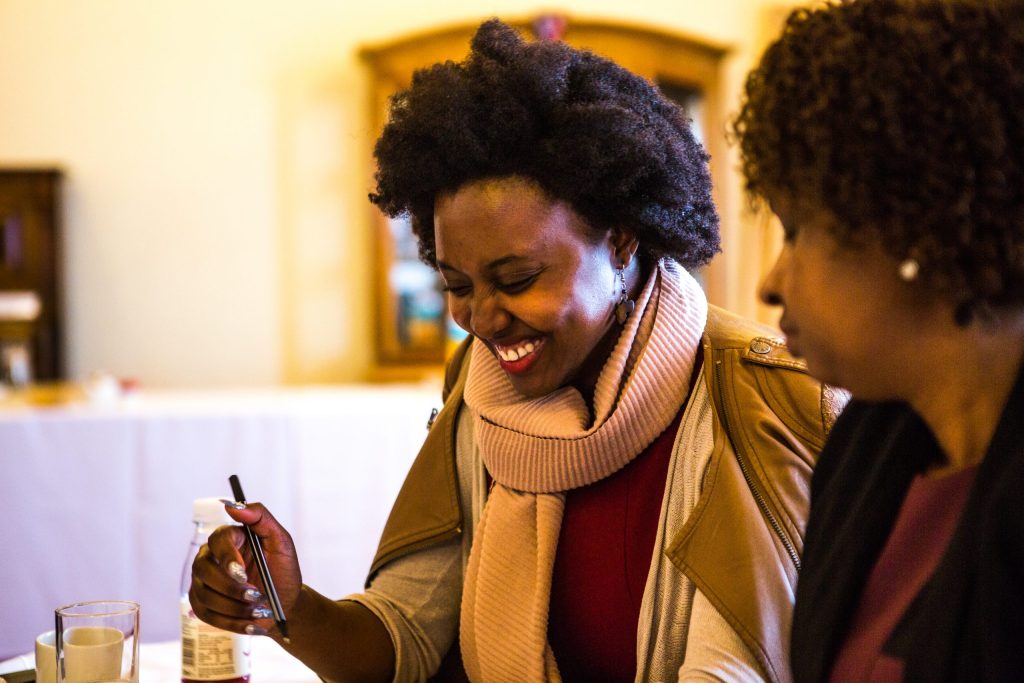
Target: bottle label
<point>208,653</point>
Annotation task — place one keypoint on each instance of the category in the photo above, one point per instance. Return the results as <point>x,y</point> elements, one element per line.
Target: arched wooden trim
<point>661,56</point>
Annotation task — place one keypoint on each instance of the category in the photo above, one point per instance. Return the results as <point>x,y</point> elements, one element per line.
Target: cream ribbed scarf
<point>536,449</point>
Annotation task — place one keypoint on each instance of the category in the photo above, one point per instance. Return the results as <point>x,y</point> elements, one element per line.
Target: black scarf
<point>968,621</point>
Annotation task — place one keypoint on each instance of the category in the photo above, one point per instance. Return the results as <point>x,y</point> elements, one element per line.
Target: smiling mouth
<point>517,358</point>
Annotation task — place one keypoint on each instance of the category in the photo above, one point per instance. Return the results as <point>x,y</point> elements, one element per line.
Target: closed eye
<point>518,285</point>
<point>456,290</point>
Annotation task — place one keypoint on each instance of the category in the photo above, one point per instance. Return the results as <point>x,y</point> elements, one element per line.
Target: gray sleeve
<point>418,596</point>
<point>714,651</point>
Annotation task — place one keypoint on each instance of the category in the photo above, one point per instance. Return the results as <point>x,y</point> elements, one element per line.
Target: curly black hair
<point>587,131</point>
<point>905,120</point>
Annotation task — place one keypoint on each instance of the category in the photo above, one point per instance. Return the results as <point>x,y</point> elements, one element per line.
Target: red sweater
<point>604,554</point>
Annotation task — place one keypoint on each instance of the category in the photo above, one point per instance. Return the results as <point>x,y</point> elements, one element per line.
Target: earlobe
<point>625,244</point>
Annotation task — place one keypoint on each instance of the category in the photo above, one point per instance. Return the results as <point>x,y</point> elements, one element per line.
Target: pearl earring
<point>908,269</point>
<point>625,305</point>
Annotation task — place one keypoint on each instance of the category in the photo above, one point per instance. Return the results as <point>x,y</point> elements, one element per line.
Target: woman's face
<point>526,277</point>
<point>845,309</point>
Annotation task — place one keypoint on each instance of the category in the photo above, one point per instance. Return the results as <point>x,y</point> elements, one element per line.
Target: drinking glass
<point>98,642</point>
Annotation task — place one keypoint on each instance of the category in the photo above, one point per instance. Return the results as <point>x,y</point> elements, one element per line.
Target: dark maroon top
<point>604,554</point>
<point>920,536</point>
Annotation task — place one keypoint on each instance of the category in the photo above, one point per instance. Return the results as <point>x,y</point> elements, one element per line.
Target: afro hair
<point>587,131</point>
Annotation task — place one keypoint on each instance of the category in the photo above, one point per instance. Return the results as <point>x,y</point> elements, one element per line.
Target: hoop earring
<point>625,305</point>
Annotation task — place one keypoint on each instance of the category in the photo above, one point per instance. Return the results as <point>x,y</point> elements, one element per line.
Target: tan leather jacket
<point>741,544</point>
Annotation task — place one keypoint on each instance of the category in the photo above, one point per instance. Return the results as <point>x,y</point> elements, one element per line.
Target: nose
<point>769,296</point>
<point>770,289</point>
<point>481,314</point>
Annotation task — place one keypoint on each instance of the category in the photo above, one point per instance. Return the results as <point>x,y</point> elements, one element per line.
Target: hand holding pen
<point>256,548</point>
<point>227,590</point>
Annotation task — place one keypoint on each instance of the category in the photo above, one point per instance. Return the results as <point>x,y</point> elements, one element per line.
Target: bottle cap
<point>210,511</point>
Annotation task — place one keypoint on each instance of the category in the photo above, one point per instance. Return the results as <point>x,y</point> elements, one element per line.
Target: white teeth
<point>512,354</point>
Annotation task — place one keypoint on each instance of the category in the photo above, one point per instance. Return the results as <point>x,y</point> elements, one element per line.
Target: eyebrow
<point>492,266</point>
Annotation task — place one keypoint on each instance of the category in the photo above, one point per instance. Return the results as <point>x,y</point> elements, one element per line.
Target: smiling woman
<point>539,303</point>
<point>545,531</point>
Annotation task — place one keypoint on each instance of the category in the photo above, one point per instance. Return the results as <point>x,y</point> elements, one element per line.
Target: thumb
<point>253,515</point>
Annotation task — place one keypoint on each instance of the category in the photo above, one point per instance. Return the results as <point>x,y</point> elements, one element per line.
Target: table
<point>161,663</point>
<point>96,499</point>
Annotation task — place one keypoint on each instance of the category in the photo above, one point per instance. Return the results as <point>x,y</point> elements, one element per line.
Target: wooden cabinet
<point>30,271</point>
<point>413,328</point>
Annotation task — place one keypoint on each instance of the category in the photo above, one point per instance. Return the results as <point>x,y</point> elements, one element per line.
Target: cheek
<point>807,288</point>
<point>459,310</point>
<point>596,288</point>
<point>596,310</point>
<point>588,304</point>
<point>578,303</point>
<point>548,313</point>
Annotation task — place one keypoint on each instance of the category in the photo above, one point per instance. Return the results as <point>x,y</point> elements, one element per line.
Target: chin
<point>824,372</point>
<point>529,389</point>
<point>858,383</point>
<point>536,387</point>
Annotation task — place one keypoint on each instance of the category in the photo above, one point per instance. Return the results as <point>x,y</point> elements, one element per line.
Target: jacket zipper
<point>749,477</point>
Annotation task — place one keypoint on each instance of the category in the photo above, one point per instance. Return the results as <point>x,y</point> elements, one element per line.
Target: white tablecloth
<point>161,663</point>
<point>96,501</point>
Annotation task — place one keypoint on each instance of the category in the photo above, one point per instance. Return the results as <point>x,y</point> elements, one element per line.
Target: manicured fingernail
<point>254,630</point>
<point>251,595</point>
<point>261,613</point>
<point>237,572</point>
<point>233,504</point>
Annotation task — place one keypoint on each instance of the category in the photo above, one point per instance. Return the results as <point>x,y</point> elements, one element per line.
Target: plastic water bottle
<point>208,653</point>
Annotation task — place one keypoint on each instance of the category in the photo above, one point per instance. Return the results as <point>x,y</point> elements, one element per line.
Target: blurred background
<point>216,162</point>
<point>193,283</point>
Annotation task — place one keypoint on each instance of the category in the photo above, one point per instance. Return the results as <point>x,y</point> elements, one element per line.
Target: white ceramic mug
<point>92,653</point>
<point>46,657</point>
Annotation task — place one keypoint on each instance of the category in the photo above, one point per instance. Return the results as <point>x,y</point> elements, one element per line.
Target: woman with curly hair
<point>888,136</point>
<point>616,487</point>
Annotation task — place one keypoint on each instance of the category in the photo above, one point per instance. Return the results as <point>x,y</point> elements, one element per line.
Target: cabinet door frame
<point>663,57</point>
<point>30,207</point>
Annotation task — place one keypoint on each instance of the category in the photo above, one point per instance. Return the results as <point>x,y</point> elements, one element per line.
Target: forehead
<point>493,197</point>
<point>801,209</point>
<point>507,214</point>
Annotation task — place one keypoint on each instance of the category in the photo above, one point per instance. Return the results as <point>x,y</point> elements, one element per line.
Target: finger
<point>245,513</point>
<point>277,547</point>
<point>208,601</point>
<point>227,545</point>
<point>275,538</point>
<point>223,613</point>
<point>228,580</point>
<point>220,600</point>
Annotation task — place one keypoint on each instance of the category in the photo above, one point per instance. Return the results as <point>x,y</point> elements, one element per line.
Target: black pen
<point>261,563</point>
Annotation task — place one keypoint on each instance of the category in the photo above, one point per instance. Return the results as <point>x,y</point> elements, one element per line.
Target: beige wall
<point>216,213</point>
